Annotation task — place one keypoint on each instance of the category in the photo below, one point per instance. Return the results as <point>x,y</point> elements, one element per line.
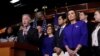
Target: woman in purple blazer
<point>75,35</point>
<point>48,42</point>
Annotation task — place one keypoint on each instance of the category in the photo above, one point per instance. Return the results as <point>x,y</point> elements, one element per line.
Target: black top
<point>58,41</point>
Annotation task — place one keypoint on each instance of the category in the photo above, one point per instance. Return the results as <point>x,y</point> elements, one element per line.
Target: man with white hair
<point>27,34</point>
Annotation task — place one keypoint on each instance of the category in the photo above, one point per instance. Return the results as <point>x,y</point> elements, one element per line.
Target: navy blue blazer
<point>75,34</point>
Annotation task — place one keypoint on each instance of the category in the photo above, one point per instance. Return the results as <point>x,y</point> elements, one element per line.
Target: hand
<point>57,50</point>
<point>75,52</point>
<point>70,52</point>
<point>46,55</point>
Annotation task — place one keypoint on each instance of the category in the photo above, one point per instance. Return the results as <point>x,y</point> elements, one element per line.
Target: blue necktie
<point>61,29</point>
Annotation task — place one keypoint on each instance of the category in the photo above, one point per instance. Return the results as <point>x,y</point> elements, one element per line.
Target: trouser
<point>84,51</point>
<point>95,51</point>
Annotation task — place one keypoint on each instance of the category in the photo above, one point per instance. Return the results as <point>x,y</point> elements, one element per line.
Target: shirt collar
<point>63,26</point>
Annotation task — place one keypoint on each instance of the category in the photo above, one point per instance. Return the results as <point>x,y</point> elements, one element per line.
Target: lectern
<point>15,49</point>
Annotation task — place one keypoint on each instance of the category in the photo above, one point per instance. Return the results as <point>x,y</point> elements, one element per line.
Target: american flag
<point>44,25</point>
<point>56,22</point>
<point>56,19</point>
<point>35,23</point>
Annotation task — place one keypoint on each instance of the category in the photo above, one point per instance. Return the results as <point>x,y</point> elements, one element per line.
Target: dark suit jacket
<point>30,38</point>
<point>41,40</point>
<point>91,26</point>
<point>59,39</point>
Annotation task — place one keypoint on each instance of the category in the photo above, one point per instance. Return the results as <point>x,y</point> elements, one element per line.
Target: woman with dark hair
<point>75,35</point>
<point>96,35</point>
<point>48,42</point>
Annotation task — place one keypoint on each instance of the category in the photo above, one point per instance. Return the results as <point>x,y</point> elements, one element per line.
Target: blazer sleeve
<point>84,34</point>
<point>55,39</point>
<point>64,38</point>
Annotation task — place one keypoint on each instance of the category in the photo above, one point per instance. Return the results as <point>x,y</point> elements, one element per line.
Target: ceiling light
<point>14,1</point>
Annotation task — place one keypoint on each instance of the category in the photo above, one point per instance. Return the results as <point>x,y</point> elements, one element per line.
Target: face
<point>97,16</point>
<point>39,29</point>
<point>60,20</point>
<point>71,15</point>
<point>25,20</point>
<point>9,30</point>
<point>39,14</point>
<point>82,16</point>
<point>49,30</point>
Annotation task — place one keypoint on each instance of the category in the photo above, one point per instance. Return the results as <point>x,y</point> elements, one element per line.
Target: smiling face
<point>49,30</point>
<point>97,16</point>
<point>71,15</point>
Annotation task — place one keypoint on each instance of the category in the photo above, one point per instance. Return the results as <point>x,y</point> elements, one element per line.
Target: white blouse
<point>95,37</point>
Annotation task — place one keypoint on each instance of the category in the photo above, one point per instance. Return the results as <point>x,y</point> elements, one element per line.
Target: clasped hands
<point>72,52</point>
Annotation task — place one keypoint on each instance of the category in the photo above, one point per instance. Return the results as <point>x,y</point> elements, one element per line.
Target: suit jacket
<point>31,37</point>
<point>75,34</point>
<point>41,40</point>
<point>91,26</point>
<point>59,39</point>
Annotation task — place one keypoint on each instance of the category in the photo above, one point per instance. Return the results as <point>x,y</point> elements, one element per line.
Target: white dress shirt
<point>27,29</point>
<point>40,34</point>
<point>94,36</point>
<point>61,29</point>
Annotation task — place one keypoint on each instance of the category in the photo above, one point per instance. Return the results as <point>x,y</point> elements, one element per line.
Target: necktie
<point>61,29</point>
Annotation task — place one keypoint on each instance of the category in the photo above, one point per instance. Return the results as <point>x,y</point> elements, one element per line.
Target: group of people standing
<point>75,35</point>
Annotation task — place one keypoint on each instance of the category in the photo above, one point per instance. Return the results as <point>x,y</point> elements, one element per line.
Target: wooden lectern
<point>15,49</point>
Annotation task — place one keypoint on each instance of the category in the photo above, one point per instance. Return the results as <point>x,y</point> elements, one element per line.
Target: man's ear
<point>65,20</point>
<point>86,15</point>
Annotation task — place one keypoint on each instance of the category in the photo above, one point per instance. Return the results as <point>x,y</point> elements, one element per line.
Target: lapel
<point>62,31</point>
<point>98,35</point>
<point>28,33</point>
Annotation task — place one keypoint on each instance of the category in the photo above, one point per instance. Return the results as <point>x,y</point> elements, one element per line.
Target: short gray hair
<point>27,15</point>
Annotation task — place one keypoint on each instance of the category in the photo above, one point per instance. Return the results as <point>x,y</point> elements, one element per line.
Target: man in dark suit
<point>27,34</point>
<point>59,47</point>
<point>41,37</point>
